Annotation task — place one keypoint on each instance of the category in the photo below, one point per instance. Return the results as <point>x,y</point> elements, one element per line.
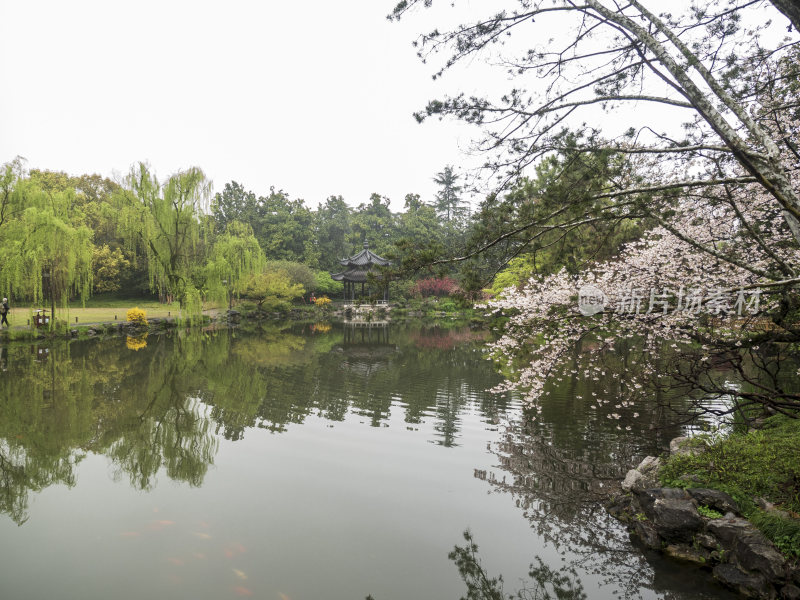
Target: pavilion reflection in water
<point>367,347</point>
<point>369,333</point>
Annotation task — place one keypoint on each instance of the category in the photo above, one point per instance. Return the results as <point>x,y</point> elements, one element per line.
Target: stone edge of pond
<point>154,325</point>
<point>230,318</point>
<point>666,519</point>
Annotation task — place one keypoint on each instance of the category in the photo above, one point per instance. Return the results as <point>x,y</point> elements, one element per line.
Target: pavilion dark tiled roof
<point>359,265</point>
<point>355,275</point>
<point>364,258</point>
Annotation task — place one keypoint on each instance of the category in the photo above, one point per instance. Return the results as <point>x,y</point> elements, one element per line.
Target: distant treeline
<point>65,236</point>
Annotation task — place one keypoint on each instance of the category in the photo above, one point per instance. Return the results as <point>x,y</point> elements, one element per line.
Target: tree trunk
<point>791,9</point>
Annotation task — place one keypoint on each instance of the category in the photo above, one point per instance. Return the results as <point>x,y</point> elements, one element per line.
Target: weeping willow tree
<point>235,257</point>
<point>167,224</point>
<point>47,421</point>
<point>45,250</point>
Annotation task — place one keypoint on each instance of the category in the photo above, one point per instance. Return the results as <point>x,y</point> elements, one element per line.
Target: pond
<point>304,462</point>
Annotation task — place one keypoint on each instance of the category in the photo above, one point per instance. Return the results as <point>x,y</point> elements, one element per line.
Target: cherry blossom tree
<point>700,304</point>
<point>707,66</point>
<point>706,302</point>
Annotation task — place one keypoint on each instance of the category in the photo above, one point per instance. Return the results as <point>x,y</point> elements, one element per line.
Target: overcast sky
<point>314,97</point>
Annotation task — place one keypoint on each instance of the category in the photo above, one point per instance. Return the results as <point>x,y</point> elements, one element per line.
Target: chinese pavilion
<point>356,270</point>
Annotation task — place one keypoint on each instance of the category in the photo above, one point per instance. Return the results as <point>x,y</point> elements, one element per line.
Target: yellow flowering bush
<point>138,316</point>
<point>322,301</point>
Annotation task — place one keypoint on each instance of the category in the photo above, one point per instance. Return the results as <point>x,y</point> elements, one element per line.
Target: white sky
<point>314,97</point>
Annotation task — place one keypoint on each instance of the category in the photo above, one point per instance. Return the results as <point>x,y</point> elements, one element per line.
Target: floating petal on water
<point>240,574</point>
<point>175,561</point>
<point>130,534</point>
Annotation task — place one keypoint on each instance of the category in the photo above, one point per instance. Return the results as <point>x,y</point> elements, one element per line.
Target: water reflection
<point>164,407</point>
<point>363,333</point>
<point>560,464</point>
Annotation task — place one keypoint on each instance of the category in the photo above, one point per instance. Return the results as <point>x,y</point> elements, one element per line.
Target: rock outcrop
<point>736,552</point>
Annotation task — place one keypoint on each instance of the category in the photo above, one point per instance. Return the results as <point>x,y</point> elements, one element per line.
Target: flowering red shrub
<point>435,286</point>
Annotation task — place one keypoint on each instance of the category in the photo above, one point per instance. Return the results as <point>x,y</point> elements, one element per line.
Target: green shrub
<point>784,533</point>
<point>297,273</point>
<point>447,305</point>
<point>709,512</point>
<point>756,464</point>
<point>272,290</point>
<point>324,284</point>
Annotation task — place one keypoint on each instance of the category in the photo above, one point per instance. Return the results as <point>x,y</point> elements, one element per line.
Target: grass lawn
<point>100,310</point>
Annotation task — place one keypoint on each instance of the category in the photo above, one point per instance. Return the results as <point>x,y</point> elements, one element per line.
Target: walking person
<point>4,312</point>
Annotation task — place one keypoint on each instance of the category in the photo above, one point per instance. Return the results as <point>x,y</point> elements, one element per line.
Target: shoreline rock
<point>738,555</point>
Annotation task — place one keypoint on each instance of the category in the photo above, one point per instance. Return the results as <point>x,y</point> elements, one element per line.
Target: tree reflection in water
<point>164,406</point>
<point>163,409</point>
<point>560,468</point>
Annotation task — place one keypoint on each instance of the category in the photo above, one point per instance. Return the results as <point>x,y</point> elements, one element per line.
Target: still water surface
<point>303,462</point>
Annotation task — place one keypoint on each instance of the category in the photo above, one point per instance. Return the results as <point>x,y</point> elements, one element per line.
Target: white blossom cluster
<point>717,248</point>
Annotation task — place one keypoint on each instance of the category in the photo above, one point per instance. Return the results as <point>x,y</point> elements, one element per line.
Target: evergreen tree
<point>449,204</point>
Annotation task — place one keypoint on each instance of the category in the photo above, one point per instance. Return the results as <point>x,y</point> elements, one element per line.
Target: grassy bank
<point>752,467</point>
<point>75,320</point>
<point>99,309</point>
<point>110,310</point>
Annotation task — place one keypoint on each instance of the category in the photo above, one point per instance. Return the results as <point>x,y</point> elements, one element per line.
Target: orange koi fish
<point>130,534</point>
<point>242,591</point>
<point>159,525</point>
<point>233,549</point>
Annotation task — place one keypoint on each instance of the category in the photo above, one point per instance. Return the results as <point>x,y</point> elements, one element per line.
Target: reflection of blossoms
<point>136,342</point>
<point>445,340</point>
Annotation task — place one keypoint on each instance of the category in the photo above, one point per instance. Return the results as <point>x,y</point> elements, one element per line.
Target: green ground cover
<point>762,463</point>
<point>99,309</point>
